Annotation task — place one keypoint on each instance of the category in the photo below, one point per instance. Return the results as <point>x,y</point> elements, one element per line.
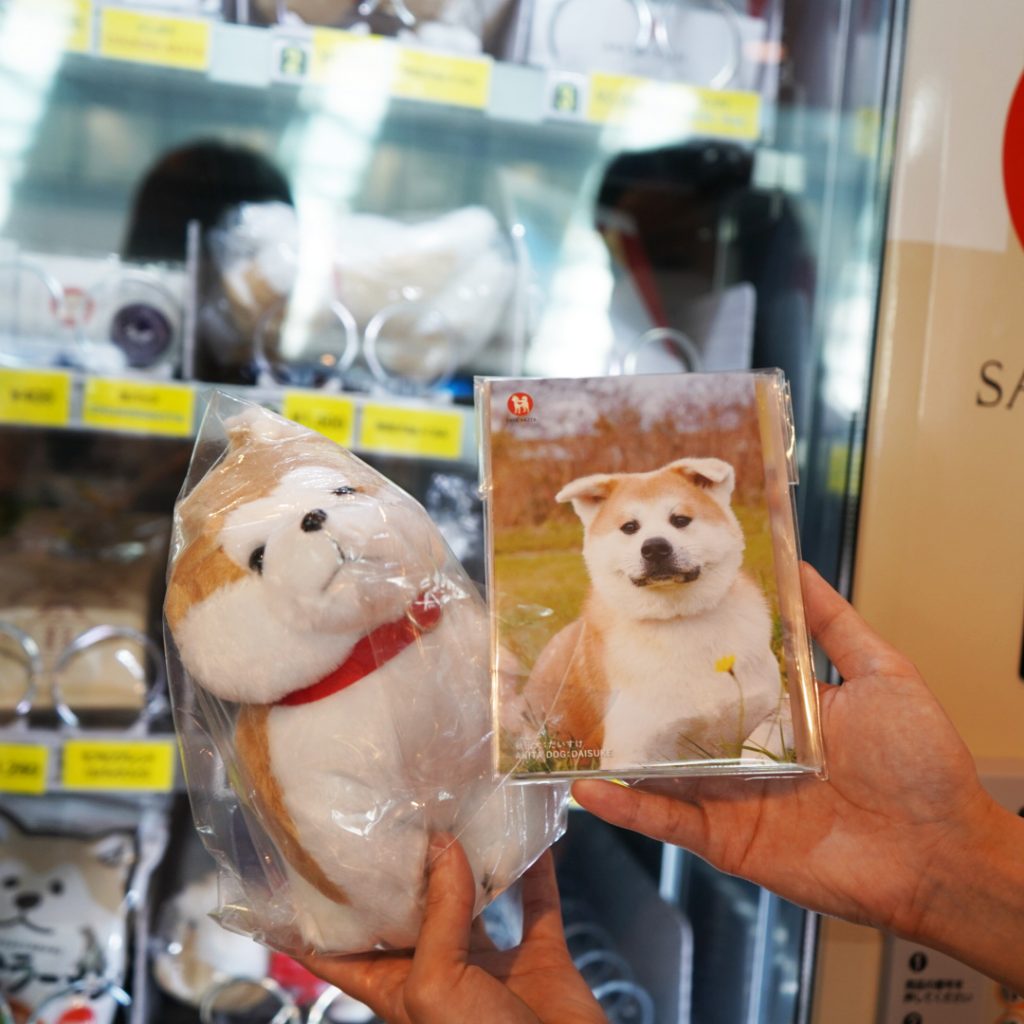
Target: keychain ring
<point>154,701</point>
<point>389,378</point>
<point>287,1014</point>
<point>35,665</point>
<point>277,310</point>
<point>91,990</point>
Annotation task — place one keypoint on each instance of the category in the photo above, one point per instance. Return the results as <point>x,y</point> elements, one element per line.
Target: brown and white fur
<point>293,551</point>
<point>670,659</point>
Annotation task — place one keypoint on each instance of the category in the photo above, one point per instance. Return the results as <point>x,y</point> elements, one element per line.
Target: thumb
<point>451,895</point>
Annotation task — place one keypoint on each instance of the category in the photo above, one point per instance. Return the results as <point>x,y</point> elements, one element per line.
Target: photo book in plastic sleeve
<point>643,577</point>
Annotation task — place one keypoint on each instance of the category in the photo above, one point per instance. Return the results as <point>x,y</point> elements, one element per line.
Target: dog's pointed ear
<point>587,493</point>
<point>716,477</point>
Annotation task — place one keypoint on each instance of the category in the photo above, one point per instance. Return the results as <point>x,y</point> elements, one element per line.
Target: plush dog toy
<point>339,657</point>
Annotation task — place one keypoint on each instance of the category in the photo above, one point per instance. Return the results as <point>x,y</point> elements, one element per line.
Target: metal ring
<point>154,702</point>
<point>287,1014</point>
<point>276,309</point>
<point>605,956</point>
<point>731,67</point>
<point>50,283</point>
<point>646,27</point>
<point>372,333</point>
<point>627,362</point>
<point>89,989</point>
<point>628,988</point>
<point>35,665</point>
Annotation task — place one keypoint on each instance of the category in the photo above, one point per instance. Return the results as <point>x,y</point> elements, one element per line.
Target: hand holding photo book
<point>643,578</point>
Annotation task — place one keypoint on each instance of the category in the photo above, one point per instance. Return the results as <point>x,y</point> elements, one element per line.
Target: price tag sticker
<point>442,78</point>
<point>382,67</point>
<point>422,432</point>
<point>143,765</point>
<point>38,398</point>
<point>616,99</point>
<point>23,768</point>
<point>155,39</point>
<point>138,406</point>
<point>291,58</point>
<point>333,417</point>
<point>352,57</point>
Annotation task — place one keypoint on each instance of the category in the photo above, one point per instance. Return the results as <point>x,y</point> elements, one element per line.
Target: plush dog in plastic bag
<point>332,654</point>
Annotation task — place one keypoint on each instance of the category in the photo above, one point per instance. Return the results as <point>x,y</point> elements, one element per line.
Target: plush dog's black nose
<point>313,521</point>
<point>655,549</point>
<point>27,900</point>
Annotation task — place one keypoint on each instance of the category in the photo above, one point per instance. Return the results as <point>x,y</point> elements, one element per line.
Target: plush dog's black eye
<point>631,527</point>
<point>343,490</point>
<point>256,559</point>
<point>56,887</point>
<point>11,882</point>
<point>679,521</point>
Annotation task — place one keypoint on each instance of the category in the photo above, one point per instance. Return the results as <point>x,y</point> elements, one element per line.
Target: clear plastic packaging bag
<point>329,669</point>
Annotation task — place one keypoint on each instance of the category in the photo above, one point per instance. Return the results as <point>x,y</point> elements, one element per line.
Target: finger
<point>542,908</point>
<point>849,642</point>
<point>451,894</point>
<point>661,817</point>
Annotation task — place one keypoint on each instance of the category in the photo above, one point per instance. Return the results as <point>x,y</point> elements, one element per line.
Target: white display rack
<point>65,399</point>
<point>315,58</point>
<point>35,761</point>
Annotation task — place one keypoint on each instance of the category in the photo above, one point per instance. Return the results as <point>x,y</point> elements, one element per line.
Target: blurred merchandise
<point>465,26</point>
<point>100,315</point>
<point>366,302</point>
<point>708,43</point>
<point>73,869</point>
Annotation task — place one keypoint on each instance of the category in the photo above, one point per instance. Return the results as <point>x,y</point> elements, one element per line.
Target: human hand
<point>456,974</point>
<point>900,820</point>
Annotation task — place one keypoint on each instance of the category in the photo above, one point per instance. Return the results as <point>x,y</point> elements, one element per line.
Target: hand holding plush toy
<point>335,661</point>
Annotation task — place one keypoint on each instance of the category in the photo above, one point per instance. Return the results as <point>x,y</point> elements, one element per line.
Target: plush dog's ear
<point>587,493</point>
<point>718,478</point>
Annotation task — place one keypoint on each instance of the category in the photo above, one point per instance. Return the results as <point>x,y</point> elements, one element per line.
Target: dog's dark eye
<point>56,887</point>
<point>343,490</point>
<point>256,559</point>
<point>679,521</point>
<point>11,882</point>
<point>631,527</point>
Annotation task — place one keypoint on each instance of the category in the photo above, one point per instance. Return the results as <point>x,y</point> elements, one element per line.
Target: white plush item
<point>293,552</point>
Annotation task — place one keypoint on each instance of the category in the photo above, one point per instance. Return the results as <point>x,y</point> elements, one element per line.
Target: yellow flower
<point>725,663</point>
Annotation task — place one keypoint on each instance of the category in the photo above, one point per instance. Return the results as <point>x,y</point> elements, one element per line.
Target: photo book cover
<point>643,576</point>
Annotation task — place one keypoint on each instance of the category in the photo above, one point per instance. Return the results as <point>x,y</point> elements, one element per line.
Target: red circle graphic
<point>1013,160</point>
<point>520,404</point>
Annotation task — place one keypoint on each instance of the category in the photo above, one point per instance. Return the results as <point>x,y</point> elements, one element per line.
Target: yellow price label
<point>333,417</point>
<point>349,57</point>
<point>411,431</point>
<point>23,768</point>
<point>138,406</point>
<point>155,39</point>
<point>617,99</point>
<point>385,68</point>
<point>442,78</point>
<point>38,398</point>
<point>119,764</point>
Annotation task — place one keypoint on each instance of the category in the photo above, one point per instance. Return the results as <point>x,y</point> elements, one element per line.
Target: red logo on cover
<point>1013,160</point>
<point>520,404</point>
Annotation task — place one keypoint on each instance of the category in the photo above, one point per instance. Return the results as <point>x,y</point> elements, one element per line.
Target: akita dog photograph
<point>642,620</point>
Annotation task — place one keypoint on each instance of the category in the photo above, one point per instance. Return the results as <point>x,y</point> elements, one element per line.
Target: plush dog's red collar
<point>372,651</point>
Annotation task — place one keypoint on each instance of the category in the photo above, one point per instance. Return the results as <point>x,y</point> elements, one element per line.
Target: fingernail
<point>439,842</point>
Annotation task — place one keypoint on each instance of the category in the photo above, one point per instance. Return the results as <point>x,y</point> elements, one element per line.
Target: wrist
<point>970,903</point>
